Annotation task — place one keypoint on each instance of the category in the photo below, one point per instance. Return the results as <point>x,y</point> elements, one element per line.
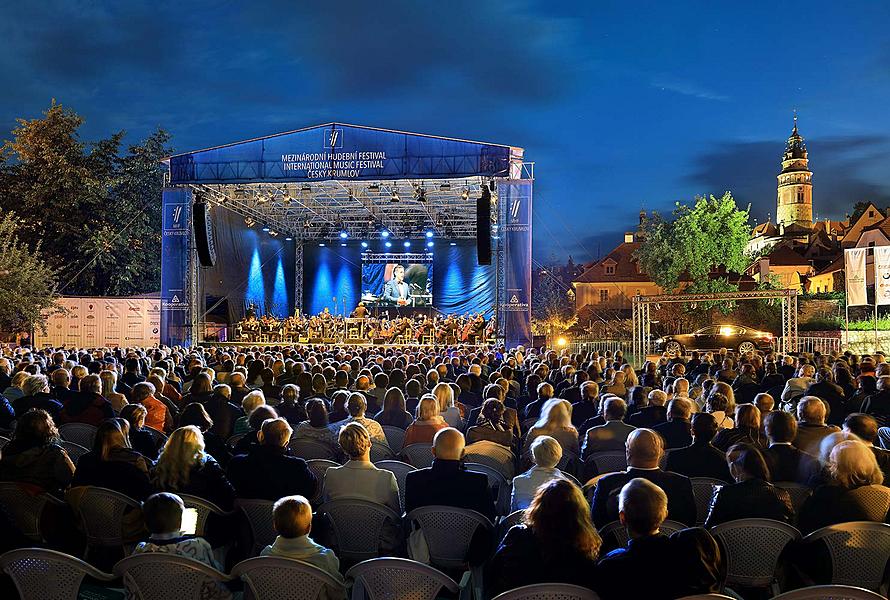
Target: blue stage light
<point>407,244</point>
<point>265,229</point>
<point>364,244</point>
<point>344,234</point>
<point>288,239</point>
<point>429,244</point>
<point>384,234</point>
<point>430,233</point>
<point>321,244</point>
<point>388,244</point>
<point>453,244</point>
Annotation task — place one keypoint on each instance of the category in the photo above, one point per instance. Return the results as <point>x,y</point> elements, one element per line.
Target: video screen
<point>397,283</point>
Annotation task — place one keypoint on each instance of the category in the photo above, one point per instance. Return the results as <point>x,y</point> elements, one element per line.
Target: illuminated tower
<point>795,189</point>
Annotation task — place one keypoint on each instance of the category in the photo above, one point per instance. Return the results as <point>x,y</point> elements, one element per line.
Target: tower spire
<point>794,131</point>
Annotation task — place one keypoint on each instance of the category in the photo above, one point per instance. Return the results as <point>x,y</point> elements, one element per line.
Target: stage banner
<point>176,235</point>
<point>854,266</point>
<point>515,230</point>
<point>882,274</point>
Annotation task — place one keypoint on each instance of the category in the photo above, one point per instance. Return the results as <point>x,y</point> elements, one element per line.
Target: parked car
<point>714,337</point>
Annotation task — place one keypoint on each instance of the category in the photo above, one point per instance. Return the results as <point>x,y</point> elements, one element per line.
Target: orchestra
<point>360,327</point>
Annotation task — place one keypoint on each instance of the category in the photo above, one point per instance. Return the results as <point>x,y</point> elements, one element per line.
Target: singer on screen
<point>396,289</point>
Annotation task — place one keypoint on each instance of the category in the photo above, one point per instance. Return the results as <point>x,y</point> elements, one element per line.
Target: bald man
<point>447,483</point>
<point>644,451</point>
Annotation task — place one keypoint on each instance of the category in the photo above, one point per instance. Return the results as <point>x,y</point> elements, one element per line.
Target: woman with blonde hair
<point>630,376</point>
<point>184,467</point>
<point>555,421</point>
<point>427,424</point>
<point>556,543</point>
<point>109,383</point>
<point>445,397</point>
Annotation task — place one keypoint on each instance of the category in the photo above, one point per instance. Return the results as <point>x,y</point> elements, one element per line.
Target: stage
<point>246,345</point>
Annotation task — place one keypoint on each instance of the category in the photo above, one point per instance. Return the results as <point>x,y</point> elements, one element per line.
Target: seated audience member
<point>292,519</point>
<point>356,406</point>
<point>35,394</point>
<point>447,482</point>
<point>853,493</point>
<point>701,458</point>
<point>611,436</point>
<point>652,413</point>
<point>141,440</point>
<point>717,404</point>
<point>113,464</point>
<point>555,421</point>
<point>511,416</point>
<point>644,451</point>
<point>250,402</point>
<point>358,477</point>
<point>785,462</point>
<point>811,427</point>
<point>318,426</point>
<point>447,409</point>
<point>557,543</point>
<point>746,430</point>
<point>290,406</point>
<point>831,394</point>
<point>878,404</point>
<point>795,387</point>
<point>268,471</point>
<point>88,405</point>
<point>158,417</point>
<point>428,422</point>
<point>677,430</point>
<point>163,518</point>
<point>255,420</point>
<point>533,409</point>
<point>238,385</point>
<point>652,565</point>
<point>491,425</point>
<point>588,406</point>
<point>195,414</point>
<point>764,403</point>
<point>546,454</point>
<point>15,390</point>
<point>394,412</point>
<point>338,406</point>
<point>184,467</point>
<point>109,390</point>
<point>865,427</point>
<point>222,412</point>
<point>752,496</point>
<point>34,456</point>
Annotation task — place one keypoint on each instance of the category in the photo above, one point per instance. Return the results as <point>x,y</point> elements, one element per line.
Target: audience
<point>811,425</point>
<point>677,430</point>
<point>113,464</point>
<point>34,455</point>
<point>184,467</point>
<point>701,458</point>
<point>356,406</point>
<point>787,463</point>
<point>358,477</point>
<point>546,454</point>
<point>428,422</point>
<point>394,412</point>
<point>555,421</point>
<point>491,425</point>
<point>163,517</point>
<point>613,434</point>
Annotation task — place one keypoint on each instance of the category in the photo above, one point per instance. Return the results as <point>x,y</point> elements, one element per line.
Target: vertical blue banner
<point>516,230</point>
<point>176,235</point>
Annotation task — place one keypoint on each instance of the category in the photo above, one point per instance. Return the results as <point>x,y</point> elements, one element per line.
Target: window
<point>604,295</point>
<point>871,213</point>
<point>610,269</point>
<point>800,195</point>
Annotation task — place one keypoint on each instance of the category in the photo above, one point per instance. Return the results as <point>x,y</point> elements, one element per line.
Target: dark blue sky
<point>622,105</point>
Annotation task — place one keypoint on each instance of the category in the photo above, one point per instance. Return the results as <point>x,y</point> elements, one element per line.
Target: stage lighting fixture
<point>364,244</point>
<point>407,244</point>
<point>429,244</point>
<point>321,244</point>
<point>249,221</point>
<point>306,188</point>
<point>420,194</point>
<point>273,233</point>
<point>453,244</point>
<point>266,229</point>
<point>343,245</point>
<point>262,199</point>
<point>492,185</point>
<point>307,225</point>
<point>288,239</point>
<point>445,187</point>
<point>344,234</point>
<point>384,233</point>
<point>388,244</point>
<point>465,194</point>
<point>430,233</point>
<point>395,196</point>
<point>374,187</point>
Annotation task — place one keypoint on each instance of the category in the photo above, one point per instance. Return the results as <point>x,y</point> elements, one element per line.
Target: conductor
<point>396,289</point>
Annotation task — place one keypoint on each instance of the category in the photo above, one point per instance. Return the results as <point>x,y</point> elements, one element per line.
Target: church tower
<point>795,190</point>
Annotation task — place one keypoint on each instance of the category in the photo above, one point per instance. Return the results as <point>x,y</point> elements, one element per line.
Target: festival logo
<point>333,138</point>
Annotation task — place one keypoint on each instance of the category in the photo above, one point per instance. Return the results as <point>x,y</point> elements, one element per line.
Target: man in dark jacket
<point>268,471</point>
<point>878,404</point>
<point>830,393</point>
<point>587,406</point>
<point>701,458</point>
<point>653,413</point>
<point>644,451</point>
<point>785,462</point>
<point>677,431</point>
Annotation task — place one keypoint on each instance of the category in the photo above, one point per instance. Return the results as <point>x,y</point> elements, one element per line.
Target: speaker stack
<point>203,233</point>
<point>483,227</point>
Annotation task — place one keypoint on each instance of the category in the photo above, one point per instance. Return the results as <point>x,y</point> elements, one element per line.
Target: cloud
<point>686,88</point>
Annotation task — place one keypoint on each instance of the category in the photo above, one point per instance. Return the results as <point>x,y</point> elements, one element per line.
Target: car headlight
<point>659,340</point>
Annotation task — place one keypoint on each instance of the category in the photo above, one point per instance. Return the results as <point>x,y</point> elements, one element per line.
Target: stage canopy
<point>317,184</point>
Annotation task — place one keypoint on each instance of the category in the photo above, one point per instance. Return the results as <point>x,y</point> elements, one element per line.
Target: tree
<point>711,233</point>
<point>27,284</point>
<point>550,300</point>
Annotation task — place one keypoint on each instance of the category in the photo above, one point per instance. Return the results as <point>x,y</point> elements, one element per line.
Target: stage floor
<point>345,344</point>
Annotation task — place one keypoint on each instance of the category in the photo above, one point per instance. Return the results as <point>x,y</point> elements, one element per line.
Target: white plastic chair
<point>753,547</point>
<point>276,578</point>
<point>500,487</point>
<point>160,576</point>
<point>101,512</point>
<point>400,470</point>
<point>41,574</point>
<point>419,455</point>
<point>620,535</point>
<point>259,517</point>
<point>25,510</point>
<point>398,579</point>
<point>549,591</point>
<point>204,508</point>
<point>830,592</point>
<point>859,551</point>
<point>395,437</point>
<point>307,449</point>
<point>703,491</point>
<point>494,455</point>
<point>3,441</point>
<point>74,451</point>
<point>82,434</point>
<point>358,526</point>
<point>605,462</point>
<point>318,467</point>
<point>503,526</point>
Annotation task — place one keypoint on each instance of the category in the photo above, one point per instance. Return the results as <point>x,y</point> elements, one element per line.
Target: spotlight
<point>444,187</point>
<point>407,244</point>
<point>307,225</point>
<point>266,229</point>
<point>395,196</point>
<point>374,187</point>
<point>364,244</point>
<point>465,194</point>
<point>262,199</point>
<point>420,194</point>
<point>321,244</point>
<point>273,233</point>
<point>288,239</point>
<point>344,234</point>
<point>453,244</point>
<point>388,244</point>
<point>249,221</point>
<point>344,245</point>
<point>430,244</point>
<point>384,233</point>
<point>430,233</point>
<point>306,188</point>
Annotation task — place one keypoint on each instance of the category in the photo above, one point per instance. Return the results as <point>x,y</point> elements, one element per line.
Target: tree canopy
<point>27,284</point>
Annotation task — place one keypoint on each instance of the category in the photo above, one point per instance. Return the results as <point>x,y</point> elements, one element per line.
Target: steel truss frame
<point>641,306</point>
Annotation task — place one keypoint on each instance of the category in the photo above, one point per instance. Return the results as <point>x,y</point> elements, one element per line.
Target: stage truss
<point>641,306</point>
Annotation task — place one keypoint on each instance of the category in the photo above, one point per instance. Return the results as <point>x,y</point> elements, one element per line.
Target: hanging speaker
<point>203,234</point>
<point>483,227</point>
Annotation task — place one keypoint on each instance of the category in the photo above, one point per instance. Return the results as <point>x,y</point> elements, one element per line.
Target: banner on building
<point>882,275</point>
<point>854,267</point>
<point>102,323</point>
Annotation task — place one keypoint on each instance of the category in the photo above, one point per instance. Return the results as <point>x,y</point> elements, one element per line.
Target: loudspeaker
<point>203,234</point>
<point>483,227</point>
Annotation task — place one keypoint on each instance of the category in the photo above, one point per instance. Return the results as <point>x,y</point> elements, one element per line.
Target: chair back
<point>548,591</point>
<point>41,574</point>
<point>24,510</point>
<point>381,451</point>
<point>259,517</point>
<point>419,455</point>
<point>604,462</point>
<point>398,579</point>
<point>79,433</point>
<point>752,548</point>
<point>159,576</point>
<point>307,449</point>
<point>74,451</point>
<point>400,470</point>
<point>358,526</point>
<point>703,491</point>
<point>204,508</point>
<point>859,552</point>
<point>395,437</point>
<point>448,532</point>
<point>496,456</point>
<point>798,493</point>
<point>829,592</point>
<point>497,484</point>
<point>276,578</point>
<point>3,441</point>
<point>570,462</point>
<point>618,532</point>
<point>514,518</point>
<point>875,499</point>
<point>233,440</point>
<point>318,467</point>
<point>101,512</point>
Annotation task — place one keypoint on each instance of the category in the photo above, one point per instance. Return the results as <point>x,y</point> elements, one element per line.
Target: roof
<point>883,225</point>
<point>784,256</point>
<point>835,266</point>
<point>767,229</point>
<point>829,226</point>
<point>626,266</point>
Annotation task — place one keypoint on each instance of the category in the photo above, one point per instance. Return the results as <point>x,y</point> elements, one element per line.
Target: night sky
<point>622,105</point>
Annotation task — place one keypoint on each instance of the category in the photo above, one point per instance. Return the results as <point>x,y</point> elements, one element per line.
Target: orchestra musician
<point>360,311</point>
<point>397,290</point>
